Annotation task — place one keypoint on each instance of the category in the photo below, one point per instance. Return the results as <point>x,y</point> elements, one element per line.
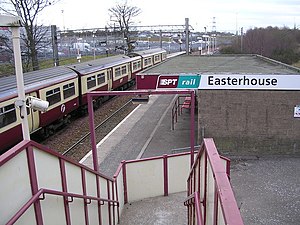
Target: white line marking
<point>154,130</point>
<point>108,135</point>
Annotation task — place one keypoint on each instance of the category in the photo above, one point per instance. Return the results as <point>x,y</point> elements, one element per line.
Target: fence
<point>40,186</point>
<point>211,198</point>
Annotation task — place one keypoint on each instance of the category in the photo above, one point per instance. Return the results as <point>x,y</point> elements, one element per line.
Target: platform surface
<point>266,189</point>
<point>146,132</point>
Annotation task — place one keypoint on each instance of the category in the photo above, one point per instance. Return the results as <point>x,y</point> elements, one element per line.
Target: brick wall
<point>250,122</point>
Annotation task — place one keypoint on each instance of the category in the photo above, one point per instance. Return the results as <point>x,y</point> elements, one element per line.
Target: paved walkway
<point>156,211</point>
<point>146,132</point>
<point>267,189</point>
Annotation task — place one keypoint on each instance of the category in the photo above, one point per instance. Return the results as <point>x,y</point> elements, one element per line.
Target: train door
<point>109,79</point>
<point>129,71</point>
<point>33,116</point>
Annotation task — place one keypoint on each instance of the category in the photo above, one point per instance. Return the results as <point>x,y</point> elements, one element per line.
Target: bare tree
<point>278,43</point>
<point>123,14</point>
<point>28,11</point>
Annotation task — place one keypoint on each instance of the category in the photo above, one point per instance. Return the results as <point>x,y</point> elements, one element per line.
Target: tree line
<point>34,34</point>
<point>282,44</point>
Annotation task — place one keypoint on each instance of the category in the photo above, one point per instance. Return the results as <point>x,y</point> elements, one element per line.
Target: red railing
<point>194,209</point>
<point>103,196</point>
<point>177,109</point>
<point>69,197</point>
<point>210,196</point>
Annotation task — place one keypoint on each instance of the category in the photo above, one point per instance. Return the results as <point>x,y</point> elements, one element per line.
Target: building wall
<point>250,122</point>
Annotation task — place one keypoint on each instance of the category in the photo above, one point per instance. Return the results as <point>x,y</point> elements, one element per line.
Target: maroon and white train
<point>65,88</point>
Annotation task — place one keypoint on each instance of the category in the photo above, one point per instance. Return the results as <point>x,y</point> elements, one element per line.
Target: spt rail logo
<point>167,82</point>
<point>178,81</point>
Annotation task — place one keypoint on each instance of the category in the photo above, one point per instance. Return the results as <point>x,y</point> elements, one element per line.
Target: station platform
<point>144,133</point>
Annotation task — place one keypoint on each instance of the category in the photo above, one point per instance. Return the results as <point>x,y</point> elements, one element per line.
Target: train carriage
<point>111,73</point>
<point>62,95</point>
<point>150,57</point>
<point>37,84</point>
<point>66,88</point>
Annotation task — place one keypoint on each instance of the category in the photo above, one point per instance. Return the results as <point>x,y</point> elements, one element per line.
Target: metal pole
<point>92,130</point>
<point>160,38</point>
<point>54,45</point>
<point>192,127</point>
<point>187,36</point>
<point>242,40</point>
<point>20,81</point>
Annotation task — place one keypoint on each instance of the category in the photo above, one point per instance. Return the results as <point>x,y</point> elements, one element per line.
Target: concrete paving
<point>146,133</point>
<point>267,189</point>
<point>156,211</point>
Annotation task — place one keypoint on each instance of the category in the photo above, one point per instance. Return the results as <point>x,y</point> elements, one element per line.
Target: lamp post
<point>94,34</point>
<point>148,42</point>
<point>14,23</point>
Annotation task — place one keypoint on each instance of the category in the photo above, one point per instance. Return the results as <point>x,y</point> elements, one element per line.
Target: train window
<point>136,65</point>
<point>148,61</point>
<point>69,90</point>
<point>156,58</point>
<point>124,70</point>
<point>91,82</point>
<point>53,96</point>
<point>101,78</point>
<point>7,115</point>
<point>118,72</point>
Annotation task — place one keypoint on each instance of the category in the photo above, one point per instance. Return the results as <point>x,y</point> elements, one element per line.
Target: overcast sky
<point>229,14</point>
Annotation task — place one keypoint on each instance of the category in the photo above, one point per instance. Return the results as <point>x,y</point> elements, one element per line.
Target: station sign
<point>229,81</point>
<point>179,81</point>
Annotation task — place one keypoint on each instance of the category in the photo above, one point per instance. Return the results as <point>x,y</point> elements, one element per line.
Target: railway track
<point>73,141</point>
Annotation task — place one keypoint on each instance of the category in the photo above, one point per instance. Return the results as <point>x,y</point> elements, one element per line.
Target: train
<point>66,88</point>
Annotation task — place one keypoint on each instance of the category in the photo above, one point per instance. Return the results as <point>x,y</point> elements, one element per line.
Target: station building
<point>242,121</point>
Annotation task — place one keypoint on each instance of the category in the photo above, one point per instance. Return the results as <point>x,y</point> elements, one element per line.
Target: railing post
<point>34,184</point>
<point>124,181</point>
<point>215,204</point>
<point>65,189</point>
<point>192,127</point>
<point>92,130</point>
<point>86,214</point>
<point>98,202</point>
<point>108,204</point>
<point>166,178</point>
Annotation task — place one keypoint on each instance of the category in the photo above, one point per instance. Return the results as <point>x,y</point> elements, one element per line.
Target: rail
<point>97,127</point>
<point>43,191</point>
<point>209,179</point>
<point>193,204</point>
<point>41,170</point>
<point>176,111</point>
<point>79,195</point>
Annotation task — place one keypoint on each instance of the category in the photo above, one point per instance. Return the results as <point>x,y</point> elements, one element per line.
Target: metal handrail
<point>43,191</point>
<point>189,201</point>
<point>176,111</point>
<point>223,191</point>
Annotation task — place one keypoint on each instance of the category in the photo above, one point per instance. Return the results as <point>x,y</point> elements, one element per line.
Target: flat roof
<point>231,64</point>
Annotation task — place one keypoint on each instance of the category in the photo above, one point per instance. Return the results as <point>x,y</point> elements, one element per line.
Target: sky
<point>230,15</point>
